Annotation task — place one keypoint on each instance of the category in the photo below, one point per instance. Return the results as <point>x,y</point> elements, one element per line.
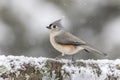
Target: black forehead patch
<point>50,24</point>
<point>57,23</point>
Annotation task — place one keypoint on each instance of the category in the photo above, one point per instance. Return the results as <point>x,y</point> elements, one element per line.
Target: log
<point>41,68</point>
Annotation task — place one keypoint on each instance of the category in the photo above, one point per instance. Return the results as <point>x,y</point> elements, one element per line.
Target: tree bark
<point>28,68</point>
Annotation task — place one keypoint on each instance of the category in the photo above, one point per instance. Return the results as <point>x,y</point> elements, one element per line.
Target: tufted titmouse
<point>67,43</point>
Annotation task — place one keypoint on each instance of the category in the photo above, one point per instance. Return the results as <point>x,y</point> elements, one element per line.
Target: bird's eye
<point>54,26</point>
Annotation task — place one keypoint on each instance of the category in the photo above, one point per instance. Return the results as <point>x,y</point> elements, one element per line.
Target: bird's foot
<point>72,58</point>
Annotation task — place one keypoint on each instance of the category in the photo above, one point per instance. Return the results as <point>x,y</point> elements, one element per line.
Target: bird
<point>67,43</point>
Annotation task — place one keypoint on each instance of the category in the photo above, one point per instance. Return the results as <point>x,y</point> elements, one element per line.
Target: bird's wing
<point>68,39</point>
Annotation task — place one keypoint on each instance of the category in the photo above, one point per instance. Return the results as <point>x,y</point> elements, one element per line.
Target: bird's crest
<point>57,23</point>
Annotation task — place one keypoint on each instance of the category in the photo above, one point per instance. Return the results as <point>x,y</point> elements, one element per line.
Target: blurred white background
<point>23,25</point>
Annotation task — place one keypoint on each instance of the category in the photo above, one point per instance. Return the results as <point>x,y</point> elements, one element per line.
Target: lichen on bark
<point>28,68</point>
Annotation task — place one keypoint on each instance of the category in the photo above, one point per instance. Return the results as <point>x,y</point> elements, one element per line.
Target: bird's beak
<point>48,27</point>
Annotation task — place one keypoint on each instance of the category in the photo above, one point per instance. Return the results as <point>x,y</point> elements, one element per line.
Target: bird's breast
<point>66,49</point>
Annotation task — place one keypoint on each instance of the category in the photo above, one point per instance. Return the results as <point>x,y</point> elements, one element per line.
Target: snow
<point>89,72</point>
<point>18,60</point>
<point>78,70</point>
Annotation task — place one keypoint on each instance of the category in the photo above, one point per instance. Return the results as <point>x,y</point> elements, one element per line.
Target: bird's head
<point>56,26</point>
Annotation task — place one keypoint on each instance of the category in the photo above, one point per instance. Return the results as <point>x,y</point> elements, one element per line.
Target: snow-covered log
<point>29,68</point>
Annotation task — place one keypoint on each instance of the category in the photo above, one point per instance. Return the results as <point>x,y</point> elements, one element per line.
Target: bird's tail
<point>92,50</point>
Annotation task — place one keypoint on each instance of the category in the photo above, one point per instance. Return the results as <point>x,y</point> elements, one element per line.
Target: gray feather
<point>57,23</point>
<point>66,38</point>
<point>92,50</point>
